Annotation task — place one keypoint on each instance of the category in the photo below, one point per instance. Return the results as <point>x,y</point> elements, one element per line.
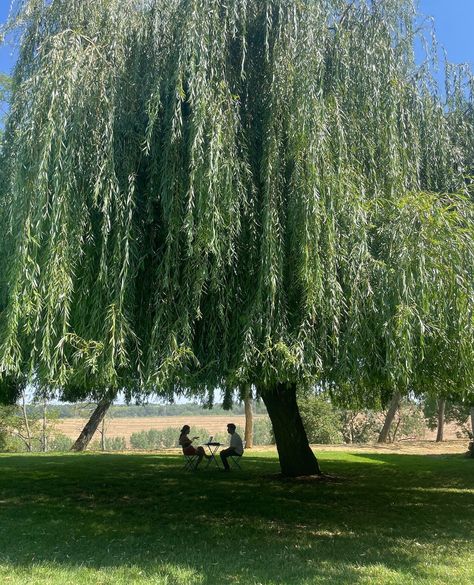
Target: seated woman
<point>186,444</point>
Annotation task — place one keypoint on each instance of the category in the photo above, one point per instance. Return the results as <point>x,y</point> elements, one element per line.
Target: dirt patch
<point>409,447</point>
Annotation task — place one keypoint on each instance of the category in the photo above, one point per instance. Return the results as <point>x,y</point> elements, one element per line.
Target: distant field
<point>124,427</point>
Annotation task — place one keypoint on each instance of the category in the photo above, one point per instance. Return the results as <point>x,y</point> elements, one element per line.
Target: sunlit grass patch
<point>140,519</point>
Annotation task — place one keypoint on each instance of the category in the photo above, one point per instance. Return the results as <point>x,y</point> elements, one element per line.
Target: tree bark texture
<point>392,410</point>
<point>92,424</point>
<point>25,419</point>
<point>294,452</point>
<point>441,409</point>
<point>248,435</point>
<point>102,435</point>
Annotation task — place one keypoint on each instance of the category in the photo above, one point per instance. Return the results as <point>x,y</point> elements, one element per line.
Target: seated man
<point>236,447</point>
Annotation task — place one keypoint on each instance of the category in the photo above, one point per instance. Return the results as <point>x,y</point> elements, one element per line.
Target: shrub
<point>321,420</point>
<point>410,423</point>
<point>3,441</point>
<point>263,432</point>
<point>167,438</point>
<point>60,442</point>
<point>111,444</point>
<point>360,426</point>
<point>13,444</point>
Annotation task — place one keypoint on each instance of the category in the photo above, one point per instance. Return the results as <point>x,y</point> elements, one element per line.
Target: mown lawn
<point>136,519</point>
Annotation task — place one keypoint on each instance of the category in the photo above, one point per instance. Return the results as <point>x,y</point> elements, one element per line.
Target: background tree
<point>248,409</point>
<point>322,421</point>
<point>452,410</point>
<point>201,195</point>
<point>390,415</point>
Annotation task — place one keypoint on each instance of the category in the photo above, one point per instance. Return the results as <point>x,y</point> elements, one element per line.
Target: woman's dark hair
<point>185,429</point>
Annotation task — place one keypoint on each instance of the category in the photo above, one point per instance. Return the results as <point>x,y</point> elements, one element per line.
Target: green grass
<point>136,519</point>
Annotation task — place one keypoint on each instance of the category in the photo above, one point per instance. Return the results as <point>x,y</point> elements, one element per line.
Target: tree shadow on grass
<point>144,513</point>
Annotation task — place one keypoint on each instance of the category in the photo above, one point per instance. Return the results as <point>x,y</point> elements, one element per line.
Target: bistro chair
<point>236,458</point>
<point>190,462</point>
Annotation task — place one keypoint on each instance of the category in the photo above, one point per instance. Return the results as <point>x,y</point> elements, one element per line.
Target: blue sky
<point>454,20</point>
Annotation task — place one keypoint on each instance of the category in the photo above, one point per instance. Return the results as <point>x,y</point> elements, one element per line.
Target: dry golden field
<point>124,427</point>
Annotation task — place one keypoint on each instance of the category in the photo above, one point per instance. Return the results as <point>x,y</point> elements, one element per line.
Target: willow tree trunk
<point>248,435</point>
<point>441,409</point>
<point>92,424</point>
<point>392,410</point>
<point>294,452</point>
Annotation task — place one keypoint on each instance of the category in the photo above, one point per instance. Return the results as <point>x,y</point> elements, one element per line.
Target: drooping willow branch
<point>202,193</point>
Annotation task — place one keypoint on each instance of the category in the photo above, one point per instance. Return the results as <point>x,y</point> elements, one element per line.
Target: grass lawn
<point>139,519</point>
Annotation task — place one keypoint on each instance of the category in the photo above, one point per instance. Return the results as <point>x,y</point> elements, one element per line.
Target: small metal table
<point>212,448</point>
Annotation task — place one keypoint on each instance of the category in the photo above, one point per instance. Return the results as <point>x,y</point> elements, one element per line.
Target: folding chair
<point>190,462</point>
<point>236,458</point>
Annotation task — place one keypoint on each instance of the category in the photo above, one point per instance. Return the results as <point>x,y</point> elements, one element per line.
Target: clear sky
<point>454,23</point>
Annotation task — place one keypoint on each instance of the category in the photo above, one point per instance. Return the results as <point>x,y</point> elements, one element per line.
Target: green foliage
<point>166,438</point>
<point>84,410</point>
<point>23,430</point>
<point>5,87</point>
<point>152,439</point>
<point>263,432</point>
<point>205,194</point>
<point>325,422</point>
<point>60,442</point>
<point>321,420</point>
<point>360,426</point>
<point>110,444</point>
<point>13,444</point>
<point>409,422</point>
<point>457,412</point>
<point>16,432</point>
<point>10,389</point>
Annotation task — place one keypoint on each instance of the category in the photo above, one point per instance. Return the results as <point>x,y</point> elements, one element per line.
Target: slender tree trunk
<point>44,446</point>
<point>92,424</point>
<point>472,421</point>
<point>248,435</point>
<point>294,452</point>
<point>392,410</point>
<point>441,409</point>
<point>27,424</point>
<point>395,430</point>
<point>102,435</point>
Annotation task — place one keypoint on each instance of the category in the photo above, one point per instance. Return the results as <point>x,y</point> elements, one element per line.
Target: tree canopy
<point>199,194</point>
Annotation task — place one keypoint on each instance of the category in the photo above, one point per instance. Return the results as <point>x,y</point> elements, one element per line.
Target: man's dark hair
<point>231,426</point>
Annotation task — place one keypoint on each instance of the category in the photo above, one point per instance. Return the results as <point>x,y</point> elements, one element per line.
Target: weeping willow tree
<point>4,95</point>
<point>225,193</point>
